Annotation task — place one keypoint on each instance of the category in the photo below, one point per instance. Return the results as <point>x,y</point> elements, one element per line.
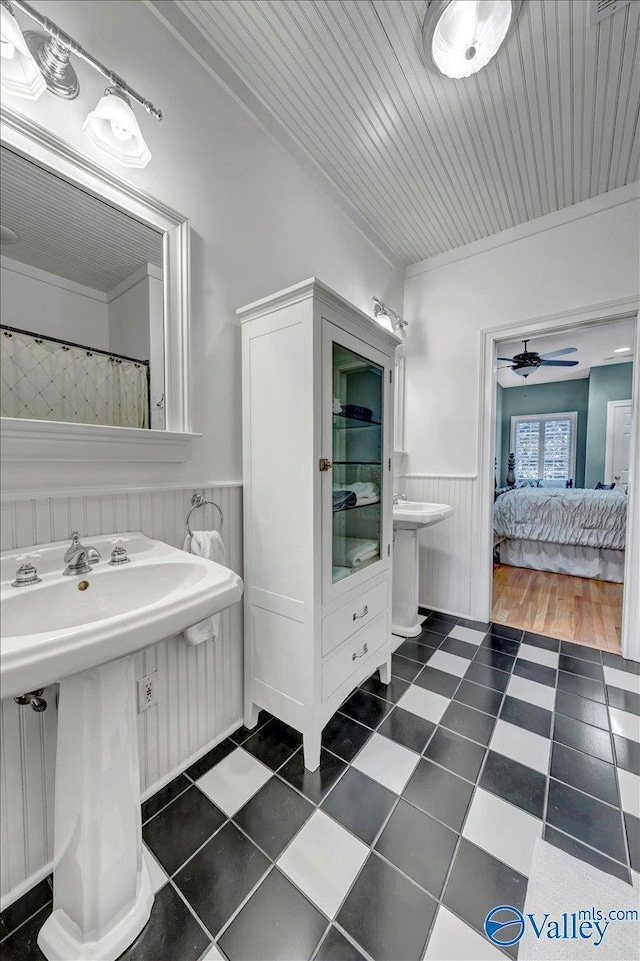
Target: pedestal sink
<point>408,518</point>
<point>82,631</point>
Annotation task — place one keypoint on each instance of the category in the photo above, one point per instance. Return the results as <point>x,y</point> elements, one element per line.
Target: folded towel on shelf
<point>207,544</point>
<point>352,551</point>
<point>342,499</point>
<point>352,495</point>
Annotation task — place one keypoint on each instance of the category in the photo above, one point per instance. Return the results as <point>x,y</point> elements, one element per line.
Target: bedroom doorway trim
<point>538,326</point>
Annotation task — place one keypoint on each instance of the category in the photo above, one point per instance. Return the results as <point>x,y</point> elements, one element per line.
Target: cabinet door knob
<point>324,464</point>
<point>365,611</point>
<point>362,653</point>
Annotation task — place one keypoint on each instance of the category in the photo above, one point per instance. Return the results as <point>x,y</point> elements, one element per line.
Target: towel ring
<point>199,501</point>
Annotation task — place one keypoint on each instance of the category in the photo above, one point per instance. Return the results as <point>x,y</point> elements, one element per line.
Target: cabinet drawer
<point>352,655</point>
<point>344,622</point>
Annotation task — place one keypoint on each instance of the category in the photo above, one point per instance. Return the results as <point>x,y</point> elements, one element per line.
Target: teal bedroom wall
<point>553,398</point>
<point>605,383</point>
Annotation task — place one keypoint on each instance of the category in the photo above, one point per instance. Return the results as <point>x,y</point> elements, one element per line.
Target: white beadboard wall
<point>446,556</point>
<point>200,688</point>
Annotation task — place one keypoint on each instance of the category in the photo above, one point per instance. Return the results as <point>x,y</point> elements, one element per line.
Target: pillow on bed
<point>553,483</point>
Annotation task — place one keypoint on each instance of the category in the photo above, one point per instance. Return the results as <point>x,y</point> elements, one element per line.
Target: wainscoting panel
<point>199,691</point>
<point>446,555</point>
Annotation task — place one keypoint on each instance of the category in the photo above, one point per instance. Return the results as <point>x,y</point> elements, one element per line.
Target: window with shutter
<point>544,445</point>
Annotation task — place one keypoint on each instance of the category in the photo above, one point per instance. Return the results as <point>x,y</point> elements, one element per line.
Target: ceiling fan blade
<point>559,353</point>
<point>560,363</point>
<point>509,359</point>
<point>506,367</point>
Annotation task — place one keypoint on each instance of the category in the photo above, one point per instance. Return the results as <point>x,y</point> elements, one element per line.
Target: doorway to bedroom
<point>563,427</point>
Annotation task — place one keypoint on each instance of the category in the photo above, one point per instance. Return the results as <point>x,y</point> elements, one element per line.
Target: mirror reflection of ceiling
<point>67,232</point>
<point>596,346</point>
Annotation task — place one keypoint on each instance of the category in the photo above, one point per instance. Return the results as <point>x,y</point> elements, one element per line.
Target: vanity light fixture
<point>387,317</point>
<point>622,350</point>
<point>44,59</point>
<point>460,37</point>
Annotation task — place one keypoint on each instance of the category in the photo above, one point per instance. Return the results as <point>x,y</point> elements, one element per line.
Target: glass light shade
<point>384,320</point>
<point>19,72</point>
<point>468,34</point>
<point>113,128</point>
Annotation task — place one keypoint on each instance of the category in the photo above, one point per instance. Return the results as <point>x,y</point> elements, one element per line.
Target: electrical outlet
<point>147,691</point>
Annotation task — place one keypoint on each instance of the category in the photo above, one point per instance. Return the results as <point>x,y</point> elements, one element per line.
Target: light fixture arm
<point>65,42</point>
<point>397,321</point>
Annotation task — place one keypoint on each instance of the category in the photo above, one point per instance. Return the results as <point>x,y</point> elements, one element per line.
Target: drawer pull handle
<point>365,611</point>
<point>362,653</point>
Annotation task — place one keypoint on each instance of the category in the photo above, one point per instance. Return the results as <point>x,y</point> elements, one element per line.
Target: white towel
<point>207,544</point>
<point>352,551</point>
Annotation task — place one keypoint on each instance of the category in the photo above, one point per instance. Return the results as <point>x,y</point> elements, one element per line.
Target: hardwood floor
<point>576,609</point>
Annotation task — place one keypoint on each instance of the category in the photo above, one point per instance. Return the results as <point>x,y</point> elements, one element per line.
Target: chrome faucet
<point>399,497</point>
<point>79,558</point>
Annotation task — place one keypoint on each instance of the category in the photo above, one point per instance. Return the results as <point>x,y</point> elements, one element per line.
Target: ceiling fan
<point>529,360</point>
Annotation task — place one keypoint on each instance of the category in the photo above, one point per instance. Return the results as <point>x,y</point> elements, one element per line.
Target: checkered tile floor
<point>422,816</point>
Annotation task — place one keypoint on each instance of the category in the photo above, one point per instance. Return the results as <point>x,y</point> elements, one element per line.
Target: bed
<point>573,531</point>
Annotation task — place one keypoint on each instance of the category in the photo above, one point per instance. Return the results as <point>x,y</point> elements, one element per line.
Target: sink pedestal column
<point>404,611</point>
<point>102,895</point>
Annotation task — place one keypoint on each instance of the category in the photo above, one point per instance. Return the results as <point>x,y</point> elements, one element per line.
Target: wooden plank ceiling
<point>434,163</point>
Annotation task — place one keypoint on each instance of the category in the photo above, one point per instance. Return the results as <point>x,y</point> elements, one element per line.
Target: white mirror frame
<point>25,440</point>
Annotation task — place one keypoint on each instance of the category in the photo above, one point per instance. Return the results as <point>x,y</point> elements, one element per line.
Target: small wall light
<point>460,37</point>
<point>113,128</point>
<point>387,317</point>
<point>20,74</point>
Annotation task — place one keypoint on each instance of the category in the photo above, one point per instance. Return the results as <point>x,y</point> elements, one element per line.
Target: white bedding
<point>586,518</point>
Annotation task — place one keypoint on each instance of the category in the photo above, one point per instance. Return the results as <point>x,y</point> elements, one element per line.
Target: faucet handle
<point>26,573</point>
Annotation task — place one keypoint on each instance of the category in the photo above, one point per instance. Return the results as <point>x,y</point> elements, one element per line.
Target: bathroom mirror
<point>94,308</point>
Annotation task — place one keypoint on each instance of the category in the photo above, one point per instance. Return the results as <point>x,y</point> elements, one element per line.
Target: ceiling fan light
<point>20,74</point>
<point>112,128</point>
<point>462,36</point>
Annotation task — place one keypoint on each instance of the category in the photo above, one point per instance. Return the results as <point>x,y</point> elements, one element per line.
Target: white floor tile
<point>387,762</point>
<point>451,663</point>
<point>156,873</point>
<point>425,704</point>
<point>467,634</point>
<point>628,725</point>
<point>538,655</point>
<point>503,830</point>
<point>453,940</point>
<point>521,745</point>
<point>323,860</point>
<point>629,792</point>
<point>628,682</point>
<point>532,692</point>
<point>422,618</point>
<point>234,780</point>
<point>214,954</point>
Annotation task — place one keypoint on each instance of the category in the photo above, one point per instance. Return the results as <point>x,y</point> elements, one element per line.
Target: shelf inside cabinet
<point>356,507</point>
<point>342,422</point>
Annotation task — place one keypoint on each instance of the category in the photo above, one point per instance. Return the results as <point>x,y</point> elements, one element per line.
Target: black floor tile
<point>529,716</point>
<point>440,793</point>
<point>632,825</point>
<point>481,698</point>
<point>345,737</point>
<point>535,672</point>
<point>583,737</point>
<point>360,804</point>
<point>405,669</point>
<point>457,754</point>
<point>481,673</point>
<point>407,729</point>
<point>164,796</point>
<point>366,708</point>
<point>586,819</point>
<point>241,735</point>
<point>503,630</point>
<point>419,846</point>
<point>627,754</point>
<point>503,645</point>
<point>425,611</point>
<point>583,709</point>
<point>313,784</point>
<point>211,758</point>
<point>441,623</point>
<point>389,692</point>
<point>17,913</point>
<point>335,947</point>
<point>471,898</point>
<point>431,679</point>
<point>273,815</point>
<point>583,668</point>
<point>273,744</point>
<point>624,700</point>
<point>585,773</point>
<point>22,945</point>
<point>582,686</point>
<point>171,932</point>
<point>387,914</point>
<point>175,833</point>
<point>474,625</point>
<point>276,924</point>
<point>432,639</point>
<point>581,651</point>
<point>414,651</point>
<point>541,640</point>
<point>468,722</point>
<point>514,782</point>
<point>218,879</point>
<point>620,663</point>
<point>578,850</point>
<point>498,660</point>
<point>461,648</point>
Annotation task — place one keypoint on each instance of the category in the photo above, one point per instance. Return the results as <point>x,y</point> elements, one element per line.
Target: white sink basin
<point>413,515</point>
<point>52,629</point>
